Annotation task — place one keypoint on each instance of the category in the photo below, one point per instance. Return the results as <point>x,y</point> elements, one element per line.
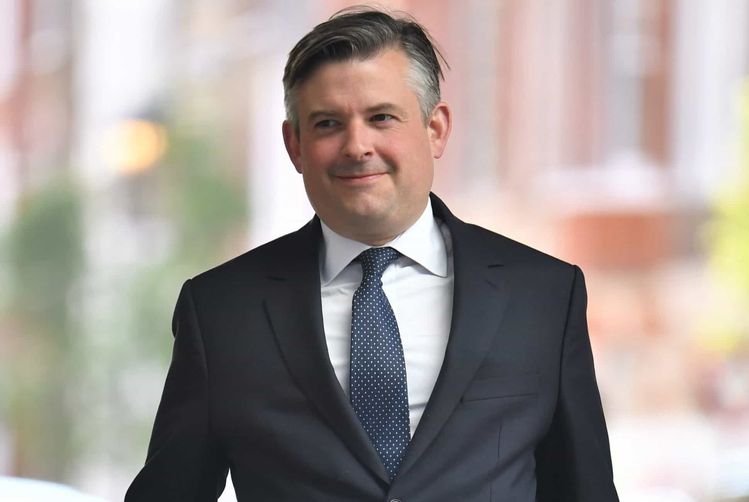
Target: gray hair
<point>361,33</point>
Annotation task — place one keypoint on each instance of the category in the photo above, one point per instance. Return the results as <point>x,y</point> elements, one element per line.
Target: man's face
<point>363,148</point>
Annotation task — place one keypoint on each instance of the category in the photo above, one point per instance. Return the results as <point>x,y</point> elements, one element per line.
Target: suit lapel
<point>294,308</point>
<point>479,299</point>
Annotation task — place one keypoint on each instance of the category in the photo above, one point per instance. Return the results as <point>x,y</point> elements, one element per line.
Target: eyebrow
<point>378,108</point>
<point>386,107</point>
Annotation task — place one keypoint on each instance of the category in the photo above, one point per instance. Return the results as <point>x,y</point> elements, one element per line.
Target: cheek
<point>317,158</point>
<point>414,160</point>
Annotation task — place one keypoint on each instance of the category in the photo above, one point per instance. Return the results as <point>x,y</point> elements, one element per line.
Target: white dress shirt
<point>419,286</point>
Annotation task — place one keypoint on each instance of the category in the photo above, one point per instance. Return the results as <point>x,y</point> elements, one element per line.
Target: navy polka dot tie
<point>379,392</point>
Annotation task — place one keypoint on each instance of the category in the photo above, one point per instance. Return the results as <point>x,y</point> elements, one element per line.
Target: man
<point>386,350</point>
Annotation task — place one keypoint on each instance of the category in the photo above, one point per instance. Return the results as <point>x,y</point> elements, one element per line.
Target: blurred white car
<point>32,490</point>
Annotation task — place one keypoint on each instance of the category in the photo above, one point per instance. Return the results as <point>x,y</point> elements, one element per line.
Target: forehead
<point>384,75</point>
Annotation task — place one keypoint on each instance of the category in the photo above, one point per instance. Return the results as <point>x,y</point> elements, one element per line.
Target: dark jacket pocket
<point>512,385</point>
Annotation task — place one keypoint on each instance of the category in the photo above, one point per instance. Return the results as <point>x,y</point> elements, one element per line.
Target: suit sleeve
<point>183,462</point>
<point>573,461</point>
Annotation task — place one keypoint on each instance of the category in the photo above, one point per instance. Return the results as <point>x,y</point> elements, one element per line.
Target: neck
<point>372,236</point>
<point>373,232</point>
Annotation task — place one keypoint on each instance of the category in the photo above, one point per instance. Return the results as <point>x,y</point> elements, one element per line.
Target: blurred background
<point>140,144</point>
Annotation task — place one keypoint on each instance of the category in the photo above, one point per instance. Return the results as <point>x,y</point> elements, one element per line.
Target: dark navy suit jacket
<point>515,414</point>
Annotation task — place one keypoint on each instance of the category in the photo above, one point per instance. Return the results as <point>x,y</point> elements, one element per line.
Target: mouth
<point>360,179</point>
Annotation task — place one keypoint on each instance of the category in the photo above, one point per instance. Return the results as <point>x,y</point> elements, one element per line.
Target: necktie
<point>379,393</point>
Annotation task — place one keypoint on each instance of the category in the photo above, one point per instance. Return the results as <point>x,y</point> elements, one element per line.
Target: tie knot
<point>374,261</point>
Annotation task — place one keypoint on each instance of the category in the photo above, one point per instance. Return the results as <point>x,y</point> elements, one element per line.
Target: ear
<point>291,142</point>
<point>438,128</point>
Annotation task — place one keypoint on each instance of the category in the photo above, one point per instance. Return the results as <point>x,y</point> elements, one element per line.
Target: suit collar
<point>294,309</point>
<point>422,242</point>
<point>479,299</point>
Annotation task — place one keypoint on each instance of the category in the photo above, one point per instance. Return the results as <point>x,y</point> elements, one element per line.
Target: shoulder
<point>482,243</point>
<point>263,261</point>
<point>527,265</point>
<point>508,250</point>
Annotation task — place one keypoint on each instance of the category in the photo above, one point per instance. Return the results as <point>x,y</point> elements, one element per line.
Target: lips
<point>363,173</point>
<point>360,178</point>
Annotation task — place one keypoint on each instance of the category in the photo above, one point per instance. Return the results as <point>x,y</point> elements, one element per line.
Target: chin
<point>365,207</point>
<point>364,219</point>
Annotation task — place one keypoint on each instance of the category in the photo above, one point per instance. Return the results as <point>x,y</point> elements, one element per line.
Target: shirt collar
<point>422,242</point>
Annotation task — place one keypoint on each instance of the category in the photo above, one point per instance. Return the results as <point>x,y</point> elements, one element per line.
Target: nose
<point>357,144</point>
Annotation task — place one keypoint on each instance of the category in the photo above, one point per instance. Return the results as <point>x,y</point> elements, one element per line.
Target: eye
<point>326,124</point>
<point>382,117</point>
